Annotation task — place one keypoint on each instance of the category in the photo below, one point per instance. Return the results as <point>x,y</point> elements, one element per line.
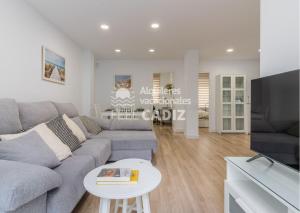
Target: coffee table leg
<point>104,205</point>
<point>116,206</point>
<point>139,204</point>
<point>125,205</point>
<point>146,203</point>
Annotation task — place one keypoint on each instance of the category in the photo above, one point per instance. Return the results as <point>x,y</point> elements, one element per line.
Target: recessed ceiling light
<point>155,25</point>
<point>259,50</point>
<point>104,27</point>
<point>151,50</point>
<point>117,50</point>
<point>230,50</point>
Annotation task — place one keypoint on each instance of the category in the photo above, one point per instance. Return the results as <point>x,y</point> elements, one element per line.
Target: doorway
<point>203,100</point>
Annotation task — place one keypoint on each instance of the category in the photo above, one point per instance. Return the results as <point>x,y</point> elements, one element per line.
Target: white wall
<point>250,68</point>
<point>23,32</point>
<point>279,36</point>
<point>88,83</point>
<point>142,73</point>
<point>191,70</point>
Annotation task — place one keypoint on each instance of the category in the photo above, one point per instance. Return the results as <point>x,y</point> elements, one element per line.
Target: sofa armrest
<point>21,183</point>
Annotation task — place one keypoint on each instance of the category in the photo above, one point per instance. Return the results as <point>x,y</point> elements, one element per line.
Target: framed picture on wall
<point>54,69</point>
<point>123,81</point>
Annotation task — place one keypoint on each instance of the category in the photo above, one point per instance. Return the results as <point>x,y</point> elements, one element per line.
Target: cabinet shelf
<point>259,187</point>
<point>254,198</point>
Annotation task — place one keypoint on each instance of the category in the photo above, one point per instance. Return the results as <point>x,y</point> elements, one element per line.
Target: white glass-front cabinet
<point>230,103</point>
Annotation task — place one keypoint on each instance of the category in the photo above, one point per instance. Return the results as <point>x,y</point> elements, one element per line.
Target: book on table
<point>116,176</point>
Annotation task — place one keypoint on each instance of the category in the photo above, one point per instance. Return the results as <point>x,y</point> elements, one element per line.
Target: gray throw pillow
<point>91,125</point>
<point>29,148</point>
<point>104,123</point>
<point>82,127</point>
<point>59,127</point>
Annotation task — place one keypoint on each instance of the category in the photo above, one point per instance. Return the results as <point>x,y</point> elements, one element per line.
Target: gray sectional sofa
<point>29,188</point>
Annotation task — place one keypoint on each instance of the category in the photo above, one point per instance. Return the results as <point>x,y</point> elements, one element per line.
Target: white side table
<point>149,179</point>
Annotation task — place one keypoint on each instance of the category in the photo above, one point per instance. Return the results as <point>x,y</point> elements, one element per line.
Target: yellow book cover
<point>134,176</point>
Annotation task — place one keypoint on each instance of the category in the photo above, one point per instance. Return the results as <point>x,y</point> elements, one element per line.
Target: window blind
<point>203,91</point>
<point>156,88</point>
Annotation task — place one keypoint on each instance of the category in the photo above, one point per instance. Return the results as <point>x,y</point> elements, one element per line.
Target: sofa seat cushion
<point>72,170</point>
<point>99,148</point>
<point>130,140</point>
<point>9,117</point>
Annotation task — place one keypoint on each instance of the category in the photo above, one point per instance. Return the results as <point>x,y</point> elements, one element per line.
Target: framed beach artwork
<point>123,81</point>
<point>53,66</point>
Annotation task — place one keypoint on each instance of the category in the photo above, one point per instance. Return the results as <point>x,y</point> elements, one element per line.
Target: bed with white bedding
<point>203,116</point>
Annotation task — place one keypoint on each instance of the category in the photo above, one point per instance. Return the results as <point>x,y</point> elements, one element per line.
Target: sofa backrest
<point>32,114</point>
<point>9,117</point>
<point>15,117</point>
<point>66,108</point>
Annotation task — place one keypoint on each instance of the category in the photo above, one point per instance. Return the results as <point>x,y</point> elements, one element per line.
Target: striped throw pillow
<point>59,127</point>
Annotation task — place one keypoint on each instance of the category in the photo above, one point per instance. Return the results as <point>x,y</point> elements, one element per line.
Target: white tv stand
<point>260,187</point>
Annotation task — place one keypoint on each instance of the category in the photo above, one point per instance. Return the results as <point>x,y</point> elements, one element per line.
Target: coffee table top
<point>149,179</point>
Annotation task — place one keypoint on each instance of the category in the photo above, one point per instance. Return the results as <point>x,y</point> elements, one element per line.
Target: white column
<point>191,69</point>
<point>178,125</point>
<point>279,36</point>
<point>88,82</point>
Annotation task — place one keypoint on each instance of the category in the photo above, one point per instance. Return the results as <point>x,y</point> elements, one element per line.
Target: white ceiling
<point>211,26</point>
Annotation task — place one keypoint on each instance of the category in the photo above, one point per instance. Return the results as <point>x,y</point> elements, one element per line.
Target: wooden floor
<point>193,172</point>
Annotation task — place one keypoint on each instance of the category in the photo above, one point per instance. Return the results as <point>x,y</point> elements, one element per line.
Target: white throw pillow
<point>61,150</point>
<point>74,128</point>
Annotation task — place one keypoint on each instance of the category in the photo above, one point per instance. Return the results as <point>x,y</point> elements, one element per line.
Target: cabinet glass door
<point>226,110</point>
<point>239,124</point>
<point>226,81</point>
<point>239,109</point>
<point>226,124</point>
<point>226,96</point>
<point>239,82</point>
<point>239,96</point>
<point>239,99</point>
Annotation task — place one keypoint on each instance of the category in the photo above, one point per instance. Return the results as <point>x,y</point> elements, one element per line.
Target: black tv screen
<point>275,117</point>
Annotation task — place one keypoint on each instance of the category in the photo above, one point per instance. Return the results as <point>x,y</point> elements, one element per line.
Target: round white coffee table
<point>149,179</point>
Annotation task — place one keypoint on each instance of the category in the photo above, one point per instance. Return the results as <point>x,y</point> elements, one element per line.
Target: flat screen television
<point>275,117</point>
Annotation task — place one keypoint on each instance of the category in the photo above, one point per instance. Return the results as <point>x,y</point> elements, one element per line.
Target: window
<point>156,88</point>
<point>203,91</point>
